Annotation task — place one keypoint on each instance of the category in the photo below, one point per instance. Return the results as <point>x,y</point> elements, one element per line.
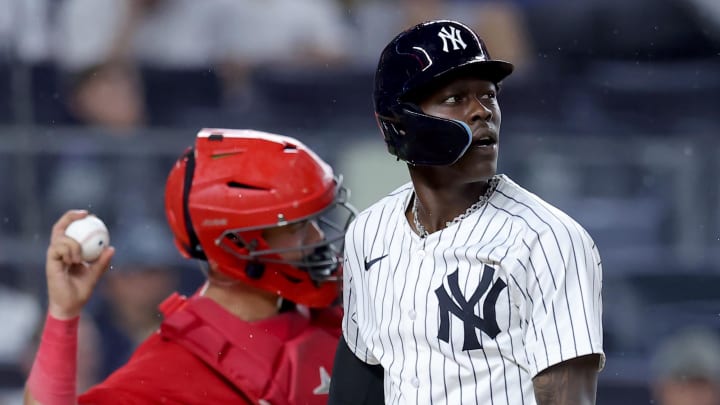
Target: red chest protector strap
<point>286,359</point>
<point>248,356</point>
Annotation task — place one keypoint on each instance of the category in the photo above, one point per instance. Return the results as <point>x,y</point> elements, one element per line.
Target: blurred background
<point>611,115</point>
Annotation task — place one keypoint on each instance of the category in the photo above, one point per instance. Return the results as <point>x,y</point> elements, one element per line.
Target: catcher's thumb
<point>102,264</point>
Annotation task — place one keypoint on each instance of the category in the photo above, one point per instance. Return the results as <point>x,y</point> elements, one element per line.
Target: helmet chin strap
<point>215,277</point>
<point>194,249</point>
<point>204,288</point>
<point>212,279</point>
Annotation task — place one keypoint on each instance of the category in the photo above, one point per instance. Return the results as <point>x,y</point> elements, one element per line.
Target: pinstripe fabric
<point>471,313</point>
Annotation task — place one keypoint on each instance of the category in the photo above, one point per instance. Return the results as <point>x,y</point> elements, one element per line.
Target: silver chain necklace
<point>492,185</point>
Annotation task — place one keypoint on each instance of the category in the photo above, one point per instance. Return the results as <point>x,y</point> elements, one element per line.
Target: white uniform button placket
<point>415,382</point>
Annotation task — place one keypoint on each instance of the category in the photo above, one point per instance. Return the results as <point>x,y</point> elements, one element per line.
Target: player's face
<point>294,237</point>
<point>474,102</point>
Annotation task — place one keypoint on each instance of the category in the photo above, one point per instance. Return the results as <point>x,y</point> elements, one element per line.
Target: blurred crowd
<point>125,64</point>
<point>603,67</point>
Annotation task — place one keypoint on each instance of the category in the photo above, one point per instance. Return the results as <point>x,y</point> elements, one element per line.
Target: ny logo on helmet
<point>464,308</point>
<point>453,36</point>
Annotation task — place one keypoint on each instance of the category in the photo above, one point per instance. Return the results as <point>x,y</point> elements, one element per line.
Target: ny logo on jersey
<point>453,36</point>
<point>464,309</point>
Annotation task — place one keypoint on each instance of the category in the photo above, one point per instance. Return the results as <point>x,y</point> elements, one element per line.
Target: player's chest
<point>433,290</point>
<point>412,267</point>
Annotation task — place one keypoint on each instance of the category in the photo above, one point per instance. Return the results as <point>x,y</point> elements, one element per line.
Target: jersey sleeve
<point>353,297</point>
<point>564,303</point>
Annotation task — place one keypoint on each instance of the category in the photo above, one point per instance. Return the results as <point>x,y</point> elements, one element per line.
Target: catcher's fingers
<point>61,225</point>
<point>60,252</point>
<point>66,249</point>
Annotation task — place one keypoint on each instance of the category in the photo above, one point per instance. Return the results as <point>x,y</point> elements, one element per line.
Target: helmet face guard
<point>413,62</point>
<point>233,186</point>
<point>322,260</point>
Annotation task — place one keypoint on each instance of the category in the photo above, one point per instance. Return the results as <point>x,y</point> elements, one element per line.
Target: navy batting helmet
<point>412,62</point>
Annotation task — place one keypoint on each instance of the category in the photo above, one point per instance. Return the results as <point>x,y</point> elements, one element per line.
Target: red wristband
<point>53,377</point>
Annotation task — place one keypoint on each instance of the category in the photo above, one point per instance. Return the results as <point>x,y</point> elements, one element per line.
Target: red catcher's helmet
<point>222,194</point>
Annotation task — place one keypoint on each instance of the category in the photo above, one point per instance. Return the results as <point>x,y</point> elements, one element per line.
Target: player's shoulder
<point>535,212</point>
<point>392,201</point>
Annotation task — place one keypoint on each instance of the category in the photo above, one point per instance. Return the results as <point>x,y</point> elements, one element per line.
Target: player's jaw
<point>480,160</point>
<point>477,164</point>
<point>484,143</point>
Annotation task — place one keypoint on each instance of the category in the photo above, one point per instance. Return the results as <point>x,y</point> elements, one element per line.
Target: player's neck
<point>245,302</point>
<point>437,206</point>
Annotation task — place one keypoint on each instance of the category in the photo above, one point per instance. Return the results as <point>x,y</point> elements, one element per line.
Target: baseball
<point>92,234</point>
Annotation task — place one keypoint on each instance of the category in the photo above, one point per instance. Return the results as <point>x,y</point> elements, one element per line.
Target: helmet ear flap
<point>193,249</point>
<point>412,136</point>
<point>393,127</point>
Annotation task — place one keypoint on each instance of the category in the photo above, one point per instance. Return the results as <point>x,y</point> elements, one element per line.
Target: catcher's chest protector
<point>255,360</point>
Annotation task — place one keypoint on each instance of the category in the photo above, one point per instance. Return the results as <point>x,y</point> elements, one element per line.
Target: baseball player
<point>462,287</point>
<point>258,208</point>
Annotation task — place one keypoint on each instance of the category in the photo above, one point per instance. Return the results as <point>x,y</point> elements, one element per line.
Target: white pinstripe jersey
<point>471,313</point>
